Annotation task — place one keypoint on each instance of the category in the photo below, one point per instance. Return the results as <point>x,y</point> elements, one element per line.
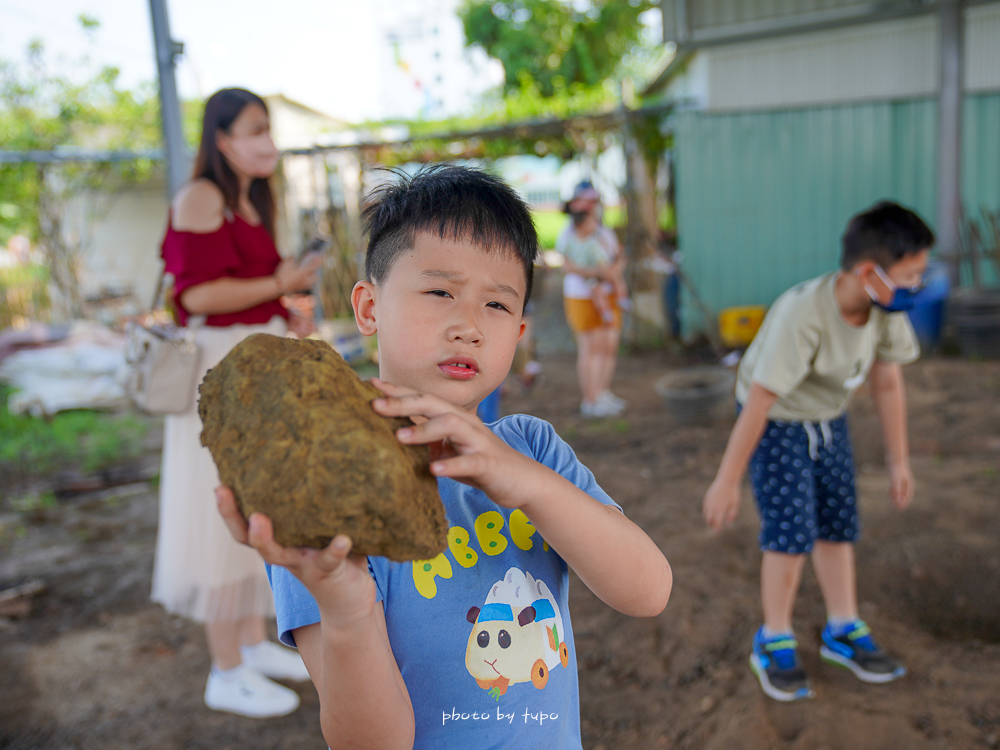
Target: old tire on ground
<point>975,317</point>
<point>697,395</point>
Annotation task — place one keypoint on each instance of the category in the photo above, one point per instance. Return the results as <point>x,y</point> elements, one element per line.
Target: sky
<point>318,52</point>
<point>328,54</point>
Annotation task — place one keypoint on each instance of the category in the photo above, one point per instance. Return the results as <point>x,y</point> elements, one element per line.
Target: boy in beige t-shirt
<point>819,342</point>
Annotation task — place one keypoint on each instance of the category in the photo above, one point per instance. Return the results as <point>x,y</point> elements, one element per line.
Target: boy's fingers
<point>466,465</point>
<point>334,553</point>
<point>413,405</point>
<point>902,494</point>
<point>261,538</point>
<point>713,521</point>
<point>391,390</point>
<point>442,427</point>
<point>230,513</point>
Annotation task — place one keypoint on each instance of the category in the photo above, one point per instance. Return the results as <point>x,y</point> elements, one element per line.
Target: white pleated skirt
<point>199,571</point>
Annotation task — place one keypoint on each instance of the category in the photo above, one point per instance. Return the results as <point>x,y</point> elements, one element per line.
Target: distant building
<point>120,233</point>
<point>294,125</point>
<point>425,70</point>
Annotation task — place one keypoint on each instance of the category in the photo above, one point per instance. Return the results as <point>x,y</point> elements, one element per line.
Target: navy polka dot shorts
<point>803,481</point>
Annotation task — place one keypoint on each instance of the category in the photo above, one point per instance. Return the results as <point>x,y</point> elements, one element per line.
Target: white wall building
<point>425,69</point>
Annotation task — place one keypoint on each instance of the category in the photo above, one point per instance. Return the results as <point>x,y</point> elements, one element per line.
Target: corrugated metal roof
<point>778,53</point>
<point>705,14</point>
<point>981,153</point>
<point>882,61</point>
<point>887,60</point>
<point>982,48</point>
<point>762,198</point>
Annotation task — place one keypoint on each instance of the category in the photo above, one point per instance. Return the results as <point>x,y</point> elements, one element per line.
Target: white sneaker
<point>248,693</point>
<point>598,409</point>
<point>611,398</point>
<point>275,661</point>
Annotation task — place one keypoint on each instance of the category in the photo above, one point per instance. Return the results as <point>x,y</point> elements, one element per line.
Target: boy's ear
<point>363,302</point>
<point>862,268</point>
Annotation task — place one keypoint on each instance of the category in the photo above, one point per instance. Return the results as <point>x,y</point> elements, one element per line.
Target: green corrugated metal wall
<point>762,198</point>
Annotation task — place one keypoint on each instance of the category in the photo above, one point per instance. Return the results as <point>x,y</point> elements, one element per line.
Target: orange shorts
<point>582,315</point>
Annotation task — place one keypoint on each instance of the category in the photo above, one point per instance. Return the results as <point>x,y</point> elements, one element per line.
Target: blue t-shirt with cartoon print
<point>482,632</point>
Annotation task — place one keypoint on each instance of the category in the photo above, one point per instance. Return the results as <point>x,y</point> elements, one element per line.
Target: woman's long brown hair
<point>221,110</point>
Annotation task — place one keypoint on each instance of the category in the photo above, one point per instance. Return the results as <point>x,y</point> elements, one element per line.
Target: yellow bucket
<point>738,325</point>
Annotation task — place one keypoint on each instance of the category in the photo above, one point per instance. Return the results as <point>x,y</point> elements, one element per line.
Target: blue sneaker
<point>855,650</point>
<point>776,664</point>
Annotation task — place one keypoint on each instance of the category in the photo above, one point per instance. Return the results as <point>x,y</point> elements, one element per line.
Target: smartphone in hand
<point>317,245</point>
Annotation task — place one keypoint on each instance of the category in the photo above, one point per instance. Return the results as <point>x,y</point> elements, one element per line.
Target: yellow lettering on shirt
<point>521,530</point>
<point>424,572</point>
<point>488,527</point>
<point>458,543</point>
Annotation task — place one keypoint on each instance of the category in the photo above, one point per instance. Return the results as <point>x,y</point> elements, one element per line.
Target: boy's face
<point>448,318</point>
<point>904,274</point>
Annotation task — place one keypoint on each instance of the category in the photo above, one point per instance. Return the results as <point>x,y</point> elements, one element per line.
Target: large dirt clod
<point>293,433</point>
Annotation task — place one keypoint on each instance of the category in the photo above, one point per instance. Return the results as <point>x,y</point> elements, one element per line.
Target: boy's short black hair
<point>885,233</point>
<point>454,202</point>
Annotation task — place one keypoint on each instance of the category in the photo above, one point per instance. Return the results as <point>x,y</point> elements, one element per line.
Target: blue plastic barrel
<point>928,312</point>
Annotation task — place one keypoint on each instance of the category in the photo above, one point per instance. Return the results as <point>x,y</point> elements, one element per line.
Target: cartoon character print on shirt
<point>517,635</point>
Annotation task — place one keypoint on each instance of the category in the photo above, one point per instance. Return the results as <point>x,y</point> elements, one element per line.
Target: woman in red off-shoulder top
<point>228,283</point>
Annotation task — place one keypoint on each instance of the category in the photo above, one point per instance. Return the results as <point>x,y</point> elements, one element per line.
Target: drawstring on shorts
<point>824,427</point>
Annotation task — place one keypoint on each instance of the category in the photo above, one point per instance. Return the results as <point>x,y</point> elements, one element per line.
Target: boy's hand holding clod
<point>461,446</point>
<point>338,580</point>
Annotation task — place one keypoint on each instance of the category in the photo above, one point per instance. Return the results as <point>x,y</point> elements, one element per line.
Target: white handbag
<point>162,364</point>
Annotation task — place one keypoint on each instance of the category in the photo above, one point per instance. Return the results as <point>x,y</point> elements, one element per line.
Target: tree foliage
<point>42,109</point>
<point>75,105</point>
<point>556,45</point>
<point>561,60</point>
<point>72,106</point>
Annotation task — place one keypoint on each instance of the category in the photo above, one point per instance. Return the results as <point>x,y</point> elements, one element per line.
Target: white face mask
<point>254,155</point>
<point>900,300</point>
<point>889,283</point>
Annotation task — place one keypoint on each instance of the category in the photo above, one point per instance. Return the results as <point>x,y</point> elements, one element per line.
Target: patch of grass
<point>89,440</point>
<point>31,503</point>
<point>549,224</point>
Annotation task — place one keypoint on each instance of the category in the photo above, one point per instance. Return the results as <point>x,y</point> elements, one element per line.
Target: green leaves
<point>45,106</point>
<point>555,43</point>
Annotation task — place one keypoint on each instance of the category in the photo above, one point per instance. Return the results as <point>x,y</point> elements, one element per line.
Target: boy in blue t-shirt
<point>473,649</point>
<point>819,342</point>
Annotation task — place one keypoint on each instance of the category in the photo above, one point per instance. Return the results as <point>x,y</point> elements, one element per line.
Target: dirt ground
<point>95,665</point>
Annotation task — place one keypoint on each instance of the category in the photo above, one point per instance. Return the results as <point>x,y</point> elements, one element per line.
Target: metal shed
<point>795,114</point>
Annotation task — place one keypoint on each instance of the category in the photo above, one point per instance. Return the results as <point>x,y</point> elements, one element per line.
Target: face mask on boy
<point>255,155</point>
<point>901,300</point>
